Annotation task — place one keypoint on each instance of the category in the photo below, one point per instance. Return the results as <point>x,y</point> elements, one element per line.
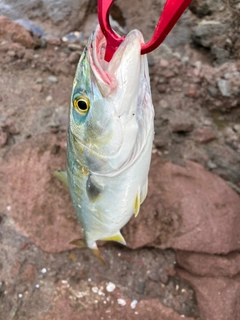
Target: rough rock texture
<point>187,208</point>
<point>16,32</point>
<point>32,195</point>
<point>218,298</point>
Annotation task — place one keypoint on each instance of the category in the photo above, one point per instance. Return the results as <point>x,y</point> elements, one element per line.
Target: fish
<point>110,137</point>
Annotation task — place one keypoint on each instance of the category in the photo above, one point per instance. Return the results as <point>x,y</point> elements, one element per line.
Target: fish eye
<point>81,104</point>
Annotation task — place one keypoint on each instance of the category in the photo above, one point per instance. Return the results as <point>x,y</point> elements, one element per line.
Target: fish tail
<point>93,247</point>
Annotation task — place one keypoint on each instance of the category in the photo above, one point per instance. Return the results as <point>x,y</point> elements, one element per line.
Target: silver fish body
<point>110,137</point>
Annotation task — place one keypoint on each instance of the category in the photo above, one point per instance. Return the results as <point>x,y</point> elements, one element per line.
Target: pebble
<point>163,104</point>
<point>49,98</point>
<point>223,87</point>
<point>38,88</point>
<point>54,41</point>
<point>121,302</point>
<point>39,80</point>
<point>164,63</point>
<point>73,57</point>
<point>110,287</point>
<point>11,53</point>
<point>133,304</point>
<point>53,79</point>
<point>236,128</point>
<point>211,165</point>
<point>74,47</point>
<point>212,91</point>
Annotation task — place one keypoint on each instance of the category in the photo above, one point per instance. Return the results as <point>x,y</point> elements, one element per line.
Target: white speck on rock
<point>49,98</point>
<point>20,295</point>
<point>64,282</point>
<point>44,270</point>
<point>8,208</point>
<point>121,302</point>
<point>37,286</point>
<point>133,304</point>
<point>110,287</point>
<point>89,279</point>
<point>95,289</point>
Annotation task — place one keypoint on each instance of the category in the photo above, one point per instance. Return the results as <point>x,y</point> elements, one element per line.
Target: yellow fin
<point>117,237</point>
<point>62,176</point>
<point>137,204</point>
<point>81,244</point>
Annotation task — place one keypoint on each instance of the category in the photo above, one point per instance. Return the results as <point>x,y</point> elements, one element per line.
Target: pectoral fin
<point>117,237</point>
<point>81,244</point>
<point>62,176</point>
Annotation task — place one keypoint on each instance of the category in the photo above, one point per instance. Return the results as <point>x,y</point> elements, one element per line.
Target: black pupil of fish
<point>82,105</point>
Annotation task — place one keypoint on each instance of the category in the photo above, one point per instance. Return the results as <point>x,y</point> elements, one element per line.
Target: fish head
<point>110,103</point>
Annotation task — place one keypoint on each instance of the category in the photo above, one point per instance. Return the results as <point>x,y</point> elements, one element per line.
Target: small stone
<point>164,63</point>
<point>211,165</point>
<point>74,57</point>
<point>192,93</point>
<point>161,88</point>
<point>39,80</point>
<point>163,104</point>
<point>212,91</point>
<point>11,53</point>
<point>53,79</point>
<point>38,88</point>
<point>121,302</point>
<point>74,47</point>
<point>110,287</point>
<point>49,98</point>
<point>223,87</point>
<point>133,304</point>
<point>205,135</point>
<point>236,128</point>
<point>54,41</point>
<point>182,126</point>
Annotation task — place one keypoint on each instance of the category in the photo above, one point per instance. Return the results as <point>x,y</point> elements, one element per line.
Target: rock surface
<point>187,208</point>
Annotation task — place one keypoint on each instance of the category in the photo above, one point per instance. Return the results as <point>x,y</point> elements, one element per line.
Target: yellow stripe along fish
<point>110,136</point>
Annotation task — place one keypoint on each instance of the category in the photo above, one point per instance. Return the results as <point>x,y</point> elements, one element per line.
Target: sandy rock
<point>218,298</point>
<point>206,265</point>
<point>48,203</point>
<point>17,33</point>
<point>188,209</point>
<point>150,309</point>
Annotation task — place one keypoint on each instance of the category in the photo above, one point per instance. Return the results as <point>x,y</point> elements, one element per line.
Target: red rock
<point>29,273</point>
<point>40,206</point>
<point>218,297</point>
<point>188,209</point>
<point>205,135</point>
<point>16,32</point>
<point>206,265</point>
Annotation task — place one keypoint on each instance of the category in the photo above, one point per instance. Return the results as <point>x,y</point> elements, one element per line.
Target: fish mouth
<point>96,50</point>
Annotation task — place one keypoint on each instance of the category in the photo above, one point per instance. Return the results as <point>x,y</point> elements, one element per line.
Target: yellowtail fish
<point>110,138</point>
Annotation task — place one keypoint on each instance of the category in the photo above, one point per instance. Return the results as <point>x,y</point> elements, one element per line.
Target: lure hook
<point>172,11</point>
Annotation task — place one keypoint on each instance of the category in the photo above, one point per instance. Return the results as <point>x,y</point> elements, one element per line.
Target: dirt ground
<point>195,79</point>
